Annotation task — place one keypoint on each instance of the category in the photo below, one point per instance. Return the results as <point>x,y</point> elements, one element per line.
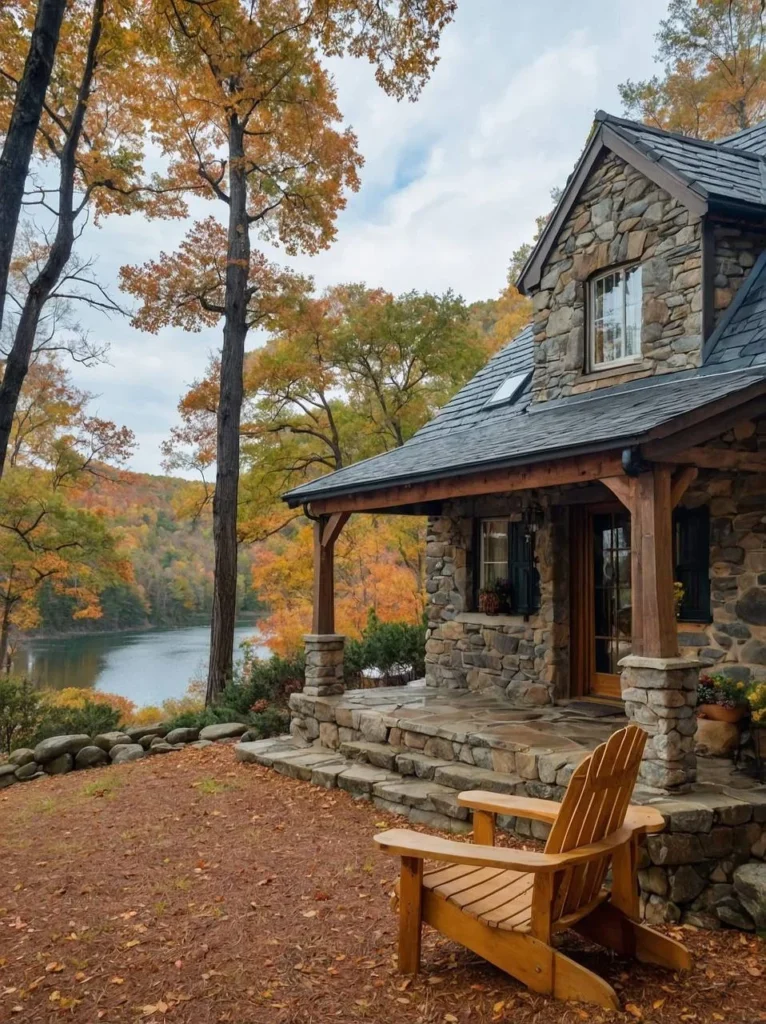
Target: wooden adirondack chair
<point>506,904</point>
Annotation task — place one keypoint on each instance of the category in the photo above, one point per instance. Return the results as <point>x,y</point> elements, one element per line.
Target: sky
<point>451,184</point>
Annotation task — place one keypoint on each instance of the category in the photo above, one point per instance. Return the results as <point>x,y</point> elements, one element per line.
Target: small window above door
<point>614,334</point>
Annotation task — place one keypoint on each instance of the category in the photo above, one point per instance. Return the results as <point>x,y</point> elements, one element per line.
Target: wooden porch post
<point>326,532</point>
<point>654,620</point>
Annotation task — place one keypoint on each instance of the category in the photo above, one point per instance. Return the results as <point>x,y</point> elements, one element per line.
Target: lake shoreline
<point>148,628</point>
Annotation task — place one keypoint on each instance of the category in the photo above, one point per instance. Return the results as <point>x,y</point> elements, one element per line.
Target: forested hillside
<point>169,547</point>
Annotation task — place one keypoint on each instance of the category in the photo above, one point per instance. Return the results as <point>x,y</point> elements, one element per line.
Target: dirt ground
<point>189,888</point>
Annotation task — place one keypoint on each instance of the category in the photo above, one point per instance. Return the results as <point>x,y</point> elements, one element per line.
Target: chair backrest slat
<point>594,806</point>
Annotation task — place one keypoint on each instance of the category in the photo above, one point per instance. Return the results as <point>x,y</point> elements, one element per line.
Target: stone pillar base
<point>660,695</point>
<point>324,664</point>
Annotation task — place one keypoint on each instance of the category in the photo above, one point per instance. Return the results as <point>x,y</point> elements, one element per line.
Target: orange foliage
<point>378,564</point>
<point>77,697</point>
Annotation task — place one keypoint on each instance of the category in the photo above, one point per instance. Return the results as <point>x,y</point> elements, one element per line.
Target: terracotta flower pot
<point>718,713</point>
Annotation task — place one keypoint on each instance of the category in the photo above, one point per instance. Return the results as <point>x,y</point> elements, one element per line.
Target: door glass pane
<point>611,547</point>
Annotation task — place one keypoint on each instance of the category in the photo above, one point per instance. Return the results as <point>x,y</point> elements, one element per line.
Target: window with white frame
<point>615,318</point>
<point>493,563</point>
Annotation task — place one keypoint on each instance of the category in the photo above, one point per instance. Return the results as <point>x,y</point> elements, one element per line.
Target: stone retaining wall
<point>62,754</point>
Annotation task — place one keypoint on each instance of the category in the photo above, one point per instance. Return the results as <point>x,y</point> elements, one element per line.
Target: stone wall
<point>619,217</point>
<point>735,641</point>
<point>737,247</point>
<point>525,657</point>
<point>59,755</point>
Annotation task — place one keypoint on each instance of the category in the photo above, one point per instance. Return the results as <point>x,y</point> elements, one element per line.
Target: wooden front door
<point>600,599</point>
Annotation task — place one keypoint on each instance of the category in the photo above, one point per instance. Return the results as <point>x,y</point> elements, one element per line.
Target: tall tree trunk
<point>17,364</point>
<point>20,140</point>
<point>228,420</point>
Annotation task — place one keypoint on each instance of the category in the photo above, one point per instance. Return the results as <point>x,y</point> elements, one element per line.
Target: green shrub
<point>22,709</point>
<point>257,696</point>
<point>89,719</point>
<point>396,649</point>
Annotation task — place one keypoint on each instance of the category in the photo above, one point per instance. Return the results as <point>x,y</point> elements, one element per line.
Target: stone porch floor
<point>537,744</point>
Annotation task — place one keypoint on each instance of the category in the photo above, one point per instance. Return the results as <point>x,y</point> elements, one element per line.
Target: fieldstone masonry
<point>660,695</point>
<point>324,664</point>
<point>620,217</point>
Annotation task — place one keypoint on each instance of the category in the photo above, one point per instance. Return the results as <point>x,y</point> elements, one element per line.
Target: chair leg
<point>410,914</point>
<point>609,927</point>
<point>572,981</point>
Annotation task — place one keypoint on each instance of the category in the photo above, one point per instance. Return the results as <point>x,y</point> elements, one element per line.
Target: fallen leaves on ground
<point>199,891</point>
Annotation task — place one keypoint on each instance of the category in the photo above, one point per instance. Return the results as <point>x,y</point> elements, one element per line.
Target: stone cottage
<point>612,451</point>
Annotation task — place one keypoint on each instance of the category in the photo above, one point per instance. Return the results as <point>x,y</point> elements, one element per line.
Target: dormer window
<point>615,318</point>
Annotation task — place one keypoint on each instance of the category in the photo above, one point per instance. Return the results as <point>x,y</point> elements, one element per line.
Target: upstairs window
<point>615,318</point>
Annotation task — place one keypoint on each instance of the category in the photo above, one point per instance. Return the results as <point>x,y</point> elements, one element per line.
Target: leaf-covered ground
<point>191,889</point>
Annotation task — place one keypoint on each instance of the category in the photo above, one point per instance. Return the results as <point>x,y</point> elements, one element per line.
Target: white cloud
<point>451,185</point>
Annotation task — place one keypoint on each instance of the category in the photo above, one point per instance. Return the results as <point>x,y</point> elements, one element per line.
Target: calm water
<point>144,667</point>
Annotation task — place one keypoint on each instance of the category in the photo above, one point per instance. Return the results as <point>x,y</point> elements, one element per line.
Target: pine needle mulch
<point>188,888</point>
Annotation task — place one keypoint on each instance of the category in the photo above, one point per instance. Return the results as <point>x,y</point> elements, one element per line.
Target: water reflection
<point>145,667</point>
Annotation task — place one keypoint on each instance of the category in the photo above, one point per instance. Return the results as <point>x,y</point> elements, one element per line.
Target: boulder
<point>28,771</point>
<point>182,735</point>
<point>716,739</point>
<point>127,752</point>
<point>222,731</point>
<point>146,741</point>
<point>107,740</point>
<point>751,607</point>
<point>91,757</point>
<point>750,886</point>
<point>161,746</point>
<point>137,732</point>
<point>23,755</point>
<point>47,750</point>
<point>7,775</point>
<point>201,744</point>
<point>59,765</point>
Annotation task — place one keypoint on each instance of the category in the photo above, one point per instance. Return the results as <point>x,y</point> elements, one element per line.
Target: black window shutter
<point>523,577</point>
<point>692,562</point>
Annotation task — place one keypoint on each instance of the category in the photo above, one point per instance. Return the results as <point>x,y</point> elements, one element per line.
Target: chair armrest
<point>644,820</point>
<point>516,806</point>
<point>402,842</point>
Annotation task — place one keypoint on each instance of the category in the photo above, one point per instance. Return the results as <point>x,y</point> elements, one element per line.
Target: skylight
<point>508,390</point>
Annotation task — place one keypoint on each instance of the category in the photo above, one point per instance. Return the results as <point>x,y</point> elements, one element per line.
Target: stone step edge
<point>332,770</point>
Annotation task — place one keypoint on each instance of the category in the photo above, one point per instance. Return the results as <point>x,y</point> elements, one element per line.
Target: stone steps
<point>414,785</point>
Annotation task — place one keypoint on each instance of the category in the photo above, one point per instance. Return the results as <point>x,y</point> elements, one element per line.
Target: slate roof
<point>752,139</point>
<point>739,340</point>
<point>470,441</point>
<point>728,171</point>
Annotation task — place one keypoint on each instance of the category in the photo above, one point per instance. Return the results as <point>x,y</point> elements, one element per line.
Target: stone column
<point>660,695</point>
<point>324,664</point>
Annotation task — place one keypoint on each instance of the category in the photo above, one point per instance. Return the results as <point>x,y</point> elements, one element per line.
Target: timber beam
<point>553,473</point>
<point>716,458</point>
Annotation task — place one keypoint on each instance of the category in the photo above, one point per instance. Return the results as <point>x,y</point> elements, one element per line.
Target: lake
<point>146,667</point>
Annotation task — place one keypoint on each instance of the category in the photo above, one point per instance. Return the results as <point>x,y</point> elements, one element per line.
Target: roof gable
<point>693,171</point>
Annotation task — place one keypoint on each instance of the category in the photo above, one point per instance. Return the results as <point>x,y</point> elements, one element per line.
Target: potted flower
<point>721,699</point>
<point>756,698</point>
<point>494,598</point>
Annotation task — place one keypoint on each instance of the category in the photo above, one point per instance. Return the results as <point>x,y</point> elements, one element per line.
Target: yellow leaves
<point>634,1011</point>
<point>54,968</point>
<point>116,980</point>
<point>152,1008</point>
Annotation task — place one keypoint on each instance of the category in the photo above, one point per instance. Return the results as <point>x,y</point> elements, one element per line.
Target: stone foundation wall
<point>620,217</point>
<point>526,658</point>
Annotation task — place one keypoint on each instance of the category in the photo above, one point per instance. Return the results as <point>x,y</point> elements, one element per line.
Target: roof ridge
<point>623,122</point>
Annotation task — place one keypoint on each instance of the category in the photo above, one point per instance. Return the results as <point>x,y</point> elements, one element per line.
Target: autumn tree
<point>25,95</point>
<point>46,539</point>
<point>713,54</point>
<point>92,133</point>
<point>251,114</point>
